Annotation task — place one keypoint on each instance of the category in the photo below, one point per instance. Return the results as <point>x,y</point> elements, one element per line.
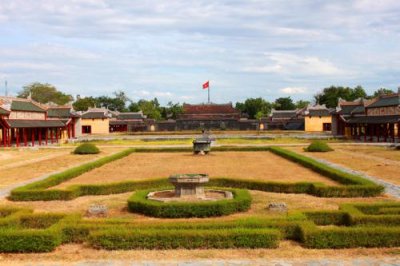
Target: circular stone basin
<point>209,195</point>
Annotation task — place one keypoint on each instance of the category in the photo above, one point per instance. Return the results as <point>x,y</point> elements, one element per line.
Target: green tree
<point>114,104</point>
<point>382,91</point>
<point>284,103</point>
<point>149,108</point>
<point>255,107</point>
<point>44,93</point>
<point>82,104</point>
<point>301,104</point>
<point>330,96</point>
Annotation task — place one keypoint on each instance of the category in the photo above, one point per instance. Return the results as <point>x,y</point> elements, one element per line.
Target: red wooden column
<point>3,132</point>
<point>46,134</point>
<point>365,133</point>
<point>40,136</point>
<point>57,134</point>
<point>17,137</point>
<point>73,128</point>
<point>33,137</point>
<point>398,131</point>
<point>51,135</point>
<point>25,136</point>
<point>9,137</point>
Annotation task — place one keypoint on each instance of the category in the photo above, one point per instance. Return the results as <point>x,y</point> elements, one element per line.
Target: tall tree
<point>150,108</point>
<point>44,93</point>
<point>301,104</point>
<point>82,104</point>
<point>330,96</point>
<point>382,91</point>
<point>255,107</point>
<point>284,103</point>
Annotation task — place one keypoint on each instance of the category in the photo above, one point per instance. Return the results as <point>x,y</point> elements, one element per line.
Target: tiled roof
<point>26,106</point>
<point>94,115</point>
<point>374,119</point>
<point>283,114</point>
<point>358,110</point>
<point>61,112</point>
<point>209,109</point>
<point>18,123</point>
<point>319,112</point>
<point>387,100</point>
<point>4,111</point>
<point>130,116</point>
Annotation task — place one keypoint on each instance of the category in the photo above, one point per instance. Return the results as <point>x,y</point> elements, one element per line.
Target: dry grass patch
<point>42,163</point>
<point>246,165</point>
<point>375,161</point>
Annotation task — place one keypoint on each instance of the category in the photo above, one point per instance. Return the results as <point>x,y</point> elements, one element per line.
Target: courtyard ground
<point>381,162</point>
<point>263,166</point>
<point>24,164</point>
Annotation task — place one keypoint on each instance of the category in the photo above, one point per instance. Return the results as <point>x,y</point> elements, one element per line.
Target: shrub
<point>86,148</point>
<point>139,203</point>
<point>349,237</point>
<point>28,240</point>
<point>318,146</point>
<point>188,239</point>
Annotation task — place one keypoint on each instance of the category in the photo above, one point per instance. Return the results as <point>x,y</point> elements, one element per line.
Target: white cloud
<point>293,90</point>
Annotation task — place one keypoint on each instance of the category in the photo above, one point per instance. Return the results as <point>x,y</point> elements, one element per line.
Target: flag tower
<point>206,86</point>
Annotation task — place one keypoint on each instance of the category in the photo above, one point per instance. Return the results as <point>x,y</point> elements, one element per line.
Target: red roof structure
<point>209,112</point>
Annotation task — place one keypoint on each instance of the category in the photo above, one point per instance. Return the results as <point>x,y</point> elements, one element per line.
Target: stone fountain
<point>189,187</point>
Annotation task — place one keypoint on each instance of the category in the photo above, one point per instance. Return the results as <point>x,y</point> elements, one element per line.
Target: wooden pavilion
<point>24,122</point>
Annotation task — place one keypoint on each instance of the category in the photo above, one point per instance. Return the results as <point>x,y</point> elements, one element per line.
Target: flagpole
<point>208,92</point>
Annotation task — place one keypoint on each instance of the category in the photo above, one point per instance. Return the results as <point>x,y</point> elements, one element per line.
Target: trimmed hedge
<point>29,240</point>
<point>353,185</point>
<point>36,190</point>
<point>86,148</point>
<point>139,203</point>
<point>188,239</point>
<point>349,237</point>
<point>368,214</point>
<point>318,146</point>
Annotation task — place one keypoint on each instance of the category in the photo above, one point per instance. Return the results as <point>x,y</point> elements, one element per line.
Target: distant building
<point>130,122</point>
<point>96,121</point>
<point>24,122</point>
<point>369,120</point>
<point>317,118</point>
<point>286,119</point>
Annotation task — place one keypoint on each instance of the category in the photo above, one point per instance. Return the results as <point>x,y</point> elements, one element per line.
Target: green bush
<point>188,239</point>
<point>318,146</point>
<point>328,217</point>
<point>350,237</point>
<point>86,148</point>
<point>28,240</point>
<point>139,203</point>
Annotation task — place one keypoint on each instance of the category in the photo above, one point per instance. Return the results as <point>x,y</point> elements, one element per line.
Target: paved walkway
<point>386,261</point>
<point>390,188</point>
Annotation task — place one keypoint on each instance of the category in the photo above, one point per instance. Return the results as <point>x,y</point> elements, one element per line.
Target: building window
<point>87,129</point>
<point>327,126</point>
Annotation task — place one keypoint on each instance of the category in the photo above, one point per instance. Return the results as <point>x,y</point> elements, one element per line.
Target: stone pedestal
<point>201,145</point>
<point>189,185</point>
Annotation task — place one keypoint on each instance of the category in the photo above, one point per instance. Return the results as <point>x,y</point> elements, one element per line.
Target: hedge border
<point>138,203</point>
<point>353,185</point>
<point>42,232</point>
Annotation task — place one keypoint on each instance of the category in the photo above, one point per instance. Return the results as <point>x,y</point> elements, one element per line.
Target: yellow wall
<point>99,126</point>
<point>314,123</point>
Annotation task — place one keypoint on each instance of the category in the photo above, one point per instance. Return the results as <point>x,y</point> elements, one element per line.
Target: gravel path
<point>253,262</point>
<point>390,188</point>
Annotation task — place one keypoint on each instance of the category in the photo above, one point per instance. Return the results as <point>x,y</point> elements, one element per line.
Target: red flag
<point>206,85</point>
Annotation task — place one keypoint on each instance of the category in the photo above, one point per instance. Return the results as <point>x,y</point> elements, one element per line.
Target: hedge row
<point>368,214</point>
<point>188,239</point>
<point>139,203</point>
<point>354,186</point>
<point>349,237</point>
<point>36,190</point>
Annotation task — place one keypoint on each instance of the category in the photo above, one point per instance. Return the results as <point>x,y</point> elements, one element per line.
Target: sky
<point>168,49</point>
